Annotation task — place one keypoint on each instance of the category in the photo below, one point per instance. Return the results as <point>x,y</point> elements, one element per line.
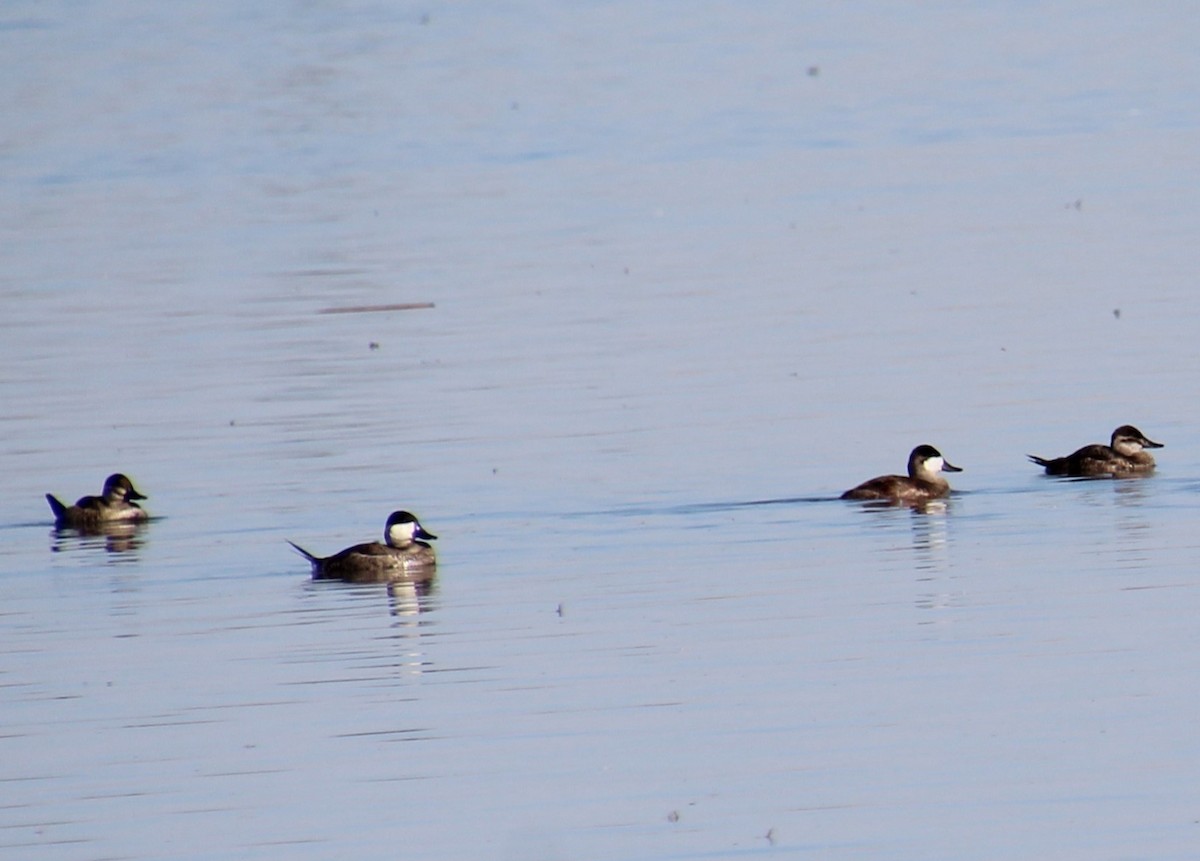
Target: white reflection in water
<point>122,541</point>
<point>924,524</point>
<point>408,603</point>
<point>408,598</point>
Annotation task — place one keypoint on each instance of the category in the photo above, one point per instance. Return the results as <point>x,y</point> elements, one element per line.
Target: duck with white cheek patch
<point>405,554</point>
<point>923,482</point>
<point>114,505</point>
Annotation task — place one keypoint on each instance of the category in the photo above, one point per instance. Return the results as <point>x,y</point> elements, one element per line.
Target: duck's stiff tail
<point>1040,461</point>
<point>303,552</point>
<point>56,506</point>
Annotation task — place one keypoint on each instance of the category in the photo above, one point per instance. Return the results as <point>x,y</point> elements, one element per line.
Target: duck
<point>1124,455</point>
<point>114,505</point>
<point>923,482</point>
<point>404,554</point>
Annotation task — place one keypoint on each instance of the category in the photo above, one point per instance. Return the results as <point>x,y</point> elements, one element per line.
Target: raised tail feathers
<point>56,506</point>
<point>303,552</point>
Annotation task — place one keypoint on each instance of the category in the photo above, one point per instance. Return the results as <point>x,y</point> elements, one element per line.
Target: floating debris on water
<point>365,309</point>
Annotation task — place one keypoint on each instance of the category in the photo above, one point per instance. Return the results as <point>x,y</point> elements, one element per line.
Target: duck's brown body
<point>114,506</point>
<point>1125,455</point>
<point>922,483</point>
<point>403,556</point>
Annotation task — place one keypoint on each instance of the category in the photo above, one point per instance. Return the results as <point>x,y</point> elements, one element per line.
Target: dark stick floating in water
<point>364,309</point>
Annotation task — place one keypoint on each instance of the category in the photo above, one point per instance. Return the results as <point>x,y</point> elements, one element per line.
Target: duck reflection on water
<point>118,538</point>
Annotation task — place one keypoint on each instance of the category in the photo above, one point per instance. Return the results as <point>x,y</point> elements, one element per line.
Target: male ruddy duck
<point>923,482</point>
<point>1124,456</point>
<point>114,505</point>
<point>403,555</point>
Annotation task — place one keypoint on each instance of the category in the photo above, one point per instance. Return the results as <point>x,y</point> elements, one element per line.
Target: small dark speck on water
<point>1116,313</point>
<point>770,836</point>
<point>814,71</point>
<point>561,610</point>
<point>374,345</point>
<point>673,816</point>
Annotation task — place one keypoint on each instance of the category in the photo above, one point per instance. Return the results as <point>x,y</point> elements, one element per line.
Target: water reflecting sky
<point>681,276</point>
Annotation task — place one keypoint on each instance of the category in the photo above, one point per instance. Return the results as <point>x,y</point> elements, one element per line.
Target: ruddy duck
<point>923,482</point>
<point>403,555</point>
<point>1123,456</point>
<point>113,505</point>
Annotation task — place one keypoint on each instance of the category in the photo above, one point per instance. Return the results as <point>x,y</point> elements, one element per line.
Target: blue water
<point>694,270</point>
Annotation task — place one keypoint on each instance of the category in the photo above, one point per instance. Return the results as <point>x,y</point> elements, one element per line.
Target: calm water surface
<point>694,271</point>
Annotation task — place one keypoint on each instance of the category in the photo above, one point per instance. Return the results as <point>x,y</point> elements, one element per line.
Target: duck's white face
<point>933,464</point>
<point>1127,444</point>
<point>401,534</point>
